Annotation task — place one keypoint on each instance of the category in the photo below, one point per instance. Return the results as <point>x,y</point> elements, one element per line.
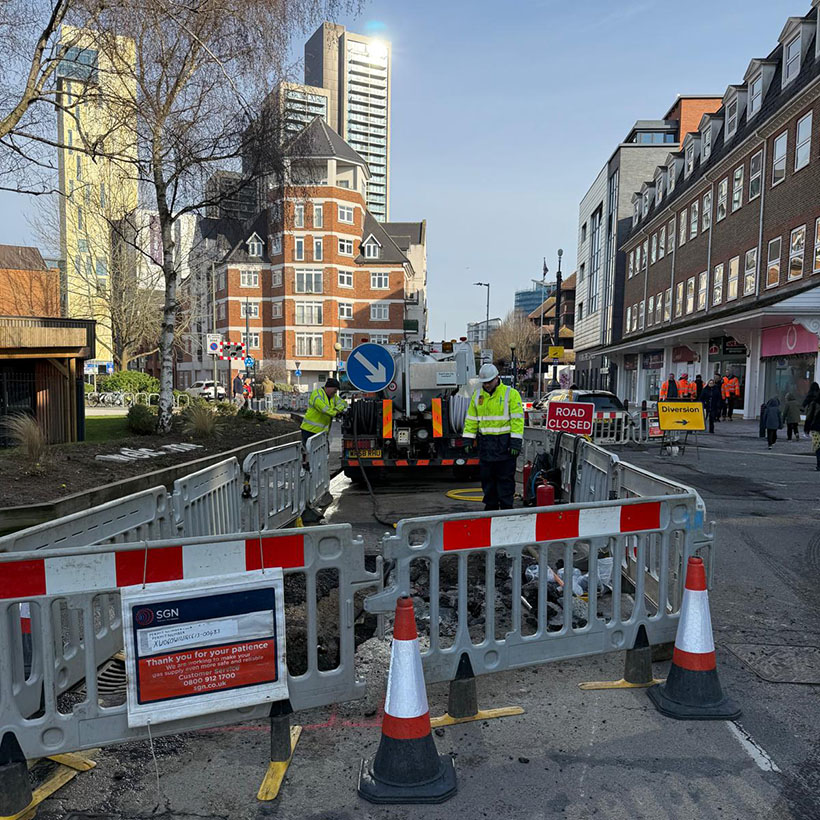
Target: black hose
<point>369,412</point>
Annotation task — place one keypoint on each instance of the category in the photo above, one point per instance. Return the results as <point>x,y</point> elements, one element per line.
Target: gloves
<point>515,450</point>
<point>469,445</point>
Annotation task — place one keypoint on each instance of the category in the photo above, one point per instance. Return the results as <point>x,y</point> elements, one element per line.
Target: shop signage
<point>631,361</point>
<point>653,360</point>
<point>570,417</point>
<point>787,340</point>
<point>203,645</point>
<point>681,415</point>
<point>683,353</point>
<point>732,347</point>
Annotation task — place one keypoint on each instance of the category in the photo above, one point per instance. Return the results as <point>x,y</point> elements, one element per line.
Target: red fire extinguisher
<point>544,495</point>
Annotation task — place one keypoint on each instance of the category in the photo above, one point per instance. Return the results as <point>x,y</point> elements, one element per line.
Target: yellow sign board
<point>681,415</point>
<point>555,352</point>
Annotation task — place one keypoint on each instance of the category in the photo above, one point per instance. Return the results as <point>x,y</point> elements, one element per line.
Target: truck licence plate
<point>364,453</point>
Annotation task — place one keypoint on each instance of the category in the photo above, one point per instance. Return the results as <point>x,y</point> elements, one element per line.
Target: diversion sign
<point>197,646</point>
<point>681,415</point>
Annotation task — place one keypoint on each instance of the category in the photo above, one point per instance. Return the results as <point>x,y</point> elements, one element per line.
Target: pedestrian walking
<point>731,393</point>
<point>813,426</point>
<point>238,390</point>
<point>323,406</point>
<point>247,391</point>
<point>772,420</point>
<point>698,386</point>
<point>791,416</point>
<point>496,418</point>
<point>669,389</point>
<point>712,403</point>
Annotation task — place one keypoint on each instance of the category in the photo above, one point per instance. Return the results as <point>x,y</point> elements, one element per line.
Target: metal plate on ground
<point>780,664</point>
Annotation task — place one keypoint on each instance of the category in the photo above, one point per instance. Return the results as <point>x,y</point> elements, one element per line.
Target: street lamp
<point>557,324</point>
<point>487,322</point>
<point>543,284</point>
<point>514,366</point>
<point>338,348</point>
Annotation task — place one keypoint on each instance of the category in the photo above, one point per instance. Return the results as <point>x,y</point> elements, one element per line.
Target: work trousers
<point>498,483</point>
<point>713,415</point>
<point>730,406</point>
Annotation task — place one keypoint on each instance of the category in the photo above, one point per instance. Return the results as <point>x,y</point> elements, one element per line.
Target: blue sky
<point>504,113</point>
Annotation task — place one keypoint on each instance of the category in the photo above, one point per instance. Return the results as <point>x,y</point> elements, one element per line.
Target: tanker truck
<point>418,419</point>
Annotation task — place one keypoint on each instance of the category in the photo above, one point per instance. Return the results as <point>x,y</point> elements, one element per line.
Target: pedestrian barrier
<point>318,451</point>
<point>273,487</point>
<point>208,502</point>
<point>613,427</point>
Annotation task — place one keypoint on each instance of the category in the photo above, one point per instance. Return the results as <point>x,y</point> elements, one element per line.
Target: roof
<point>390,252</point>
<point>21,257</point>
<point>548,306</point>
<point>405,234</point>
<point>239,249</point>
<point>317,140</point>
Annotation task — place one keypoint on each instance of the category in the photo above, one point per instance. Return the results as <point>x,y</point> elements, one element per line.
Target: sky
<point>504,113</point>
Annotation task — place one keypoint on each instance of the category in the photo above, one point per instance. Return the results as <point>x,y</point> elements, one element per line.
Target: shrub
<point>88,387</point>
<point>129,381</point>
<point>251,415</point>
<point>24,431</point>
<point>226,408</point>
<point>199,421</point>
<point>141,420</point>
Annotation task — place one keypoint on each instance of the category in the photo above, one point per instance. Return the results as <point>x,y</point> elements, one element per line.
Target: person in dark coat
<point>813,426</point>
<point>791,416</point>
<point>712,403</point>
<point>811,396</point>
<point>669,389</point>
<point>698,386</point>
<point>773,420</point>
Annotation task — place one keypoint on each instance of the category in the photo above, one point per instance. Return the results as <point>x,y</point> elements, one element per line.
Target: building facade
<point>723,255</point>
<point>479,332</point>
<point>28,286</point>
<point>526,301</point>
<point>356,72</point>
<point>604,222</point>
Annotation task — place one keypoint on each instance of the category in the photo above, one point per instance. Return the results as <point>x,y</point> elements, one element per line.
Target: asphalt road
<point>573,754</point>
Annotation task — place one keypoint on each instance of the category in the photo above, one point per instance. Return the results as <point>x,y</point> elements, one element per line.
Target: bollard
<point>15,788</point>
<point>637,668</point>
<point>283,740</point>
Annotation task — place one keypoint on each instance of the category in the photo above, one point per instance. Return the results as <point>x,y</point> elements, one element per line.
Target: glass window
<point>276,310</point>
<point>706,137</point>
<point>650,310</point>
<point>250,340</point>
<point>679,299</point>
<point>249,279</point>
<point>631,271</point>
<point>346,340</point>
<point>379,280</point>
<point>662,242</point>
<point>690,294</point>
<point>717,285</point>
<point>667,305</point>
<point>670,176</point>
<point>645,255</point>
<point>737,188</point>
<point>309,344</point>
<point>317,250</point>
<point>802,150</point>
<point>750,272</point>
<point>380,338</point>
<point>731,118</point>
<point>682,225</point>
<point>693,219</point>
<point>345,279</point>
<point>308,281</point>
<point>755,173</point>
<point>248,309</point>
<point>276,340</point>
<point>731,284</point>
<point>345,310</point>
<point>641,315</point>
<point>653,249</point>
<point>346,214</point>
<point>276,243</point>
<point>791,59</point>
<point>276,279</point>
<point>379,312</point>
<point>318,216</point>
<point>308,313</point>
<point>723,192</point>
<point>755,95</point>
<point>707,210</point>
<point>690,158</point>
<point>658,188</point>
<point>346,247</point>
<point>298,216</point>
<point>703,286</point>
<point>371,251</point>
<point>773,265</point>
<point>816,247</point>
<point>629,319</point>
<point>796,250</point>
<point>659,309</point>
<point>299,248</point>
<point>779,158</point>
<point>670,235</point>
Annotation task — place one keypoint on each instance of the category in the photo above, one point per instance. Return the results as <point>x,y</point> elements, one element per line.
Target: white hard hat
<point>487,373</point>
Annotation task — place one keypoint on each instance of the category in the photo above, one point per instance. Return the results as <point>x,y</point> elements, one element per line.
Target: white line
<point>754,750</point>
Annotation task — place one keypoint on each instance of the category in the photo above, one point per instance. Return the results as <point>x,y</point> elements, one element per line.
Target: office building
<point>479,332</point>
<point>526,301</point>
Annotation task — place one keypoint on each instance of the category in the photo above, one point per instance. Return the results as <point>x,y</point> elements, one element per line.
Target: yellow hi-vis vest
<point>321,411</point>
<point>495,414</point>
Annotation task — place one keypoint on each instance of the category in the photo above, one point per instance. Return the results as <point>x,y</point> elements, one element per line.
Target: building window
<point>693,220</point>
<point>737,188</point>
<point>345,310</point>
<point>345,278</point>
<point>791,60</point>
<point>646,203</point>
<point>645,255</point>
<point>579,311</point>
<point>309,344</point>
<point>79,173</point>
<point>308,313</point>
<point>670,235</point>
<point>581,272</point>
<point>249,279</point>
<point>308,281</point>
<point>717,285</point>
<point>755,95</point>
<point>641,315</point>
<point>750,272</point>
<point>80,218</point>
<point>703,286</point>
<point>276,310</point>
<point>796,249</point>
<point>371,251</point>
<point>773,263</point>
<point>380,338</point>
<point>82,245</point>
<point>755,173</point>
<point>670,175</point>
<point>318,216</point>
<point>731,118</point>
<point>379,280</point>
<point>658,308</point>
<point>379,312</point>
<point>629,320</point>
<point>690,294</point>
<point>251,341</point>
<point>102,195</point>
<point>346,340</point>
<point>658,189</point>
<point>346,214</point>
<point>298,216</point>
<point>248,309</point>
<point>255,247</point>
<point>276,243</point>
<point>653,249</point>
<point>221,310</point>
<point>317,250</point>
<point>636,213</point>
<point>276,340</point>
<point>667,305</point>
<point>779,158</point>
<point>276,279</point>
<point>802,150</point>
<point>731,284</point>
<point>220,281</point>
<point>707,211</point>
<point>631,264</point>
<point>723,192</point>
<point>682,226</point>
<point>706,136</point>
<point>679,299</point>
<point>817,247</point>
<point>346,247</point>
<point>650,310</point>
<point>662,242</point>
<point>299,249</point>
<point>690,158</point>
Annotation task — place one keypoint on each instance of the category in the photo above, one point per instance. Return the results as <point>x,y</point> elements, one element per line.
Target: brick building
<point>28,287</point>
<point>723,255</point>
<point>312,270</point>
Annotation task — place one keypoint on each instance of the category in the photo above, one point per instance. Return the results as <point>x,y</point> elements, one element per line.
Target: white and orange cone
<point>407,768</point>
<point>692,691</point>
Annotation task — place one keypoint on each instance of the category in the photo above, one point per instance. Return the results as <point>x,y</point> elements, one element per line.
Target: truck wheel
<point>354,474</point>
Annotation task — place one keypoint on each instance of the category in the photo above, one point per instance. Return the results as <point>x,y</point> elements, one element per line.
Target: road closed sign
<point>203,645</point>
<point>570,417</point>
<point>681,415</point>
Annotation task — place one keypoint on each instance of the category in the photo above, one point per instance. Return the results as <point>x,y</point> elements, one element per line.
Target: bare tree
<point>518,330</point>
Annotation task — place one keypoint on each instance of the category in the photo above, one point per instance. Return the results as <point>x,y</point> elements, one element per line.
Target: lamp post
<point>487,322</point>
<point>514,367</point>
<point>543,284</point>
<point>338,348</point>
<point>557,324</point>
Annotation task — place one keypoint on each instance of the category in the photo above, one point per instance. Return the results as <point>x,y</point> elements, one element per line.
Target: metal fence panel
<point>318,450</point>
<point>274,496</point>
<point>208,502</point>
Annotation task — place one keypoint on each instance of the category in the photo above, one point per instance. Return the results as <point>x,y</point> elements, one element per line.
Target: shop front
<point>629,382</point>
<point>651,374</point>
<point>727,357</point>
<point>789,355</point>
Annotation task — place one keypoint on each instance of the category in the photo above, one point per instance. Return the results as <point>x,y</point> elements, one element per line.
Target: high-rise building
<point>356,72</point>
<point>297,105</point>
<point>526,301</point>
<point>96,191</point>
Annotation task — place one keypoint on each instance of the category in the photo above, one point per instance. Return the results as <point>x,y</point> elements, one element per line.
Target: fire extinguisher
<point>544,495</point>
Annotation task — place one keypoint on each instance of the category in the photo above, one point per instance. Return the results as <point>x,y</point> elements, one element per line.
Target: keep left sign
<point>570,417</point>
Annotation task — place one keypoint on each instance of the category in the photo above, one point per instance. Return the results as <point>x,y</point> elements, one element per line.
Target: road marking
<point>753,749</point>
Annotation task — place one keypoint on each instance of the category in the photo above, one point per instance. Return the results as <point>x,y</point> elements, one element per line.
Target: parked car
<point>205,390</point>
<point>604,401</point>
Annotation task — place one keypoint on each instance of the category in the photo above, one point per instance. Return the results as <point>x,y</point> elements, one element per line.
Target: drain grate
<point>780,664</point>
<point>111,682</point>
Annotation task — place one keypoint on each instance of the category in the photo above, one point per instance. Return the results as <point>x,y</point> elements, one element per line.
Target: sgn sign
<point>570,417</point>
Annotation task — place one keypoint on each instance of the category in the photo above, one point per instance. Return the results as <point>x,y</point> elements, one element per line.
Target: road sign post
<point>570,417</point>
<point>370,367</point>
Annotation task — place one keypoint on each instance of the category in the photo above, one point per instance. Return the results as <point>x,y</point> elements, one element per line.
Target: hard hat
<point>487,373</point>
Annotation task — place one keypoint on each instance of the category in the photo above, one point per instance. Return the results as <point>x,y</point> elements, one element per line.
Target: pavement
<point>572,754</point>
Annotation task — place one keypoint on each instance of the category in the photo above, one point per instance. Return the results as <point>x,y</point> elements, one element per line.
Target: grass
<point>99,429</point>
<point>24,431</point>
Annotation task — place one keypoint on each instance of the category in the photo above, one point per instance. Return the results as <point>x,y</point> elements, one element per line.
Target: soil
<point>72,468</point>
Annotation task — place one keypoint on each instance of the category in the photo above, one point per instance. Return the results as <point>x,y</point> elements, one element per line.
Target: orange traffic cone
<point>407,768</point>
<point>692,691</point>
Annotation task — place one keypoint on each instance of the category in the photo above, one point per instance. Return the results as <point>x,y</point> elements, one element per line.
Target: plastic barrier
<point>208,501</point>
<point>84,583</point>
<point>273,487</point>
<point>318,451</point>
<point>614,427</point>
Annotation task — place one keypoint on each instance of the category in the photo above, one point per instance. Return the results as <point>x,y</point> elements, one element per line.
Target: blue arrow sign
<point>370,367</point>
<point>249,361</point>
<point>297,373</point>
